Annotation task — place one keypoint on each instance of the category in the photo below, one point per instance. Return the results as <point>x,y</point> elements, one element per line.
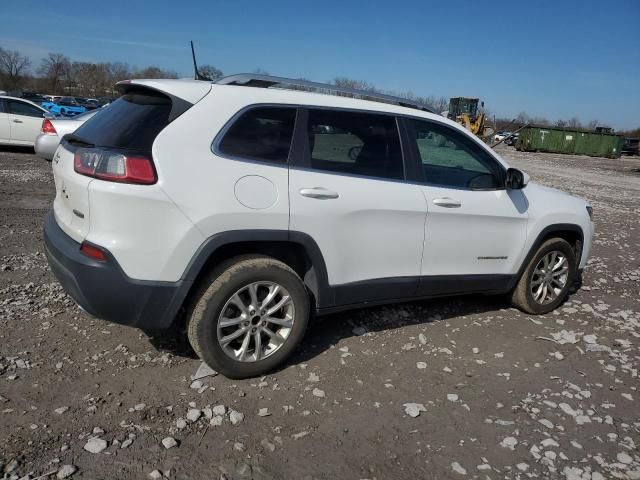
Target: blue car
<point>66,106</point>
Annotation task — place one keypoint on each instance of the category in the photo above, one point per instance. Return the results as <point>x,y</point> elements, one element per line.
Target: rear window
<point>131,122</point>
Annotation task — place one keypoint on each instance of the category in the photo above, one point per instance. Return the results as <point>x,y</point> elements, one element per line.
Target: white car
<point>242,209</point>
<point>498,137</point>
<point>53,129</point>
<point>20,121</point>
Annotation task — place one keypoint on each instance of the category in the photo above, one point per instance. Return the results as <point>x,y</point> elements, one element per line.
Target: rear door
<point>474,225</point>
<point>25,121</point>
<point>348,193</point>
<point>5,130</point>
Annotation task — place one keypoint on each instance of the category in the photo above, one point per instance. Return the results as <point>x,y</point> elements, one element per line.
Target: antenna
<point>198,75</point>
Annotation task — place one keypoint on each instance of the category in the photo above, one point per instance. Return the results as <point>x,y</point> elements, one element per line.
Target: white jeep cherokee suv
<point>244,208</point>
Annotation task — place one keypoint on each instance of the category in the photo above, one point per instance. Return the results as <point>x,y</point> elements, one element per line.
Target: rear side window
<point>355,143</point>
<point>262,133</point>
<point>131,122</point>
<point>21,108</point>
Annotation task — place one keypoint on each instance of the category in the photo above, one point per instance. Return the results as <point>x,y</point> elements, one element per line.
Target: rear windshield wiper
<point>74,140</point>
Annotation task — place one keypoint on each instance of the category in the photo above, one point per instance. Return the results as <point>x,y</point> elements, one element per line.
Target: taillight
<point>48,128</point>
<point>114,166</point>
<point>93,252</point>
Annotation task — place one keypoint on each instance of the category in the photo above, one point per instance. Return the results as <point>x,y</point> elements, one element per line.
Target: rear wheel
<point>545,282</point>
<point>250,316</point>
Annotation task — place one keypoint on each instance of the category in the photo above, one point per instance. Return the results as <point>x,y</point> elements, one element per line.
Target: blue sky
<point>556,59</point>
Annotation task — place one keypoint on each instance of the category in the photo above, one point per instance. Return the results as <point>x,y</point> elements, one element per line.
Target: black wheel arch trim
<point>556,227</point>
<point>316,279</point>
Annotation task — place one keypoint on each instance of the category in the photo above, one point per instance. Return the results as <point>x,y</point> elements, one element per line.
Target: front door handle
<point>447,202</point>
<point>319,193</point>
<point>15,120</point>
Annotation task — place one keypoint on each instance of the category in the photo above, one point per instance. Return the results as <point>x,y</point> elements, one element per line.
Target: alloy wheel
<point>255,321</point>
<point>549,277</point>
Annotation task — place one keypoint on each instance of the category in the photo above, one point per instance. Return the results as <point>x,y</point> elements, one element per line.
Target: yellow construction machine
<point>464,110</point>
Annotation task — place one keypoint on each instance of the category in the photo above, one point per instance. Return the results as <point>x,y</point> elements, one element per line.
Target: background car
<point>102,101</point>
<point>53,129</point>
<point>52,98</point>
<point>67,106</point>
<point>20,121</point>
<point>33,97</point>
<point>512,139</point>
<point>88,103</point>
<point>498,137</point>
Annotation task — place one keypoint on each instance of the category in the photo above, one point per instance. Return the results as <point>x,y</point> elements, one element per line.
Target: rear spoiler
<point>178,105</point>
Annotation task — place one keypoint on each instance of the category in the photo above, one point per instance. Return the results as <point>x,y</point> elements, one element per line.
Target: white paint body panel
<point>374,229</point>
<point>5,129</point>
<point>203,184</point>
<point>20,129</point>
<point>24,129</point>
<point>487,224</point>
<point>548,206</point>
<point>71,194</point>
<point>143,228</point>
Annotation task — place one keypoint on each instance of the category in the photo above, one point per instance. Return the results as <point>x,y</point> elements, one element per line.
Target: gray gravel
<point>462,387</point>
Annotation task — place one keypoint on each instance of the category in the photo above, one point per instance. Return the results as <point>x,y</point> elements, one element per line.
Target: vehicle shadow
<point>16,149</point>
<point>328,330</point>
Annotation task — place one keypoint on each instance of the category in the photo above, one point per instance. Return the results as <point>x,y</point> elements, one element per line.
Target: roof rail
<point>266,81</point>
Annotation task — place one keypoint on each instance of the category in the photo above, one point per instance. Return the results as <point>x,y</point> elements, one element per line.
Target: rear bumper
<point>46,146</point>
<point>104,290</point>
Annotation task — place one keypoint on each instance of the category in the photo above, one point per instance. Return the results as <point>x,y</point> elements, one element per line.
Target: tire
<point>523,296</point>
<point>228,291</point>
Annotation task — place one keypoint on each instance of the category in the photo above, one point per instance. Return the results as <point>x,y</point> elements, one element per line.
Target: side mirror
<point>516,179</point>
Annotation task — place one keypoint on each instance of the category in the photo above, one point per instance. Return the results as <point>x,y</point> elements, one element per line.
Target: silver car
<point>53,129</point>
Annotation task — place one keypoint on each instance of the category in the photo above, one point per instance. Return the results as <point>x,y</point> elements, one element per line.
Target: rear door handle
<point>447,202</point>
<point>15,120</point>
<point>318,192</point>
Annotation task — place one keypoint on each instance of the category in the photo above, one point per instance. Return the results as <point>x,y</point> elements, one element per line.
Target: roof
<point>267,89</point>
<point>268,81</point>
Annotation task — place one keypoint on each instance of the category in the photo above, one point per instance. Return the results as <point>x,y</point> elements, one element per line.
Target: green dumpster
<point>572,141</point>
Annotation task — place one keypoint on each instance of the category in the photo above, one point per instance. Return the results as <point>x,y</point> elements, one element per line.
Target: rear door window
<point>355,143</point>
<point>261,133</point>
<point>131,122</point>
<point>17,107</point>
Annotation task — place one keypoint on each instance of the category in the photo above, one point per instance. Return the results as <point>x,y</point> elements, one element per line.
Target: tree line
<point>57,74</point>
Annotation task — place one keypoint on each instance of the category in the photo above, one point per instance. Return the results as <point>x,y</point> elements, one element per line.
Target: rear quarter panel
<point>203,184</point>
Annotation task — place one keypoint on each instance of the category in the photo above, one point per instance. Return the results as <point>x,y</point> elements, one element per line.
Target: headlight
<point>590,211</point>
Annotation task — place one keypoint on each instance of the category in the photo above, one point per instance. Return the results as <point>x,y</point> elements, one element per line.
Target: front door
<point>475,229</point>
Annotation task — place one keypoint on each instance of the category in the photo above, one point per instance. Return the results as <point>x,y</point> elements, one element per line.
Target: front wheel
<point>250,316</point>
<point>545,283</point>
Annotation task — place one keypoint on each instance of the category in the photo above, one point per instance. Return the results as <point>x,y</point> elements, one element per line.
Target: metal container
<point>571,141</point>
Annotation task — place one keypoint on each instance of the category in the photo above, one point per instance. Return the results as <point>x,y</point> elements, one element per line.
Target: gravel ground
<point>461,387</point>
